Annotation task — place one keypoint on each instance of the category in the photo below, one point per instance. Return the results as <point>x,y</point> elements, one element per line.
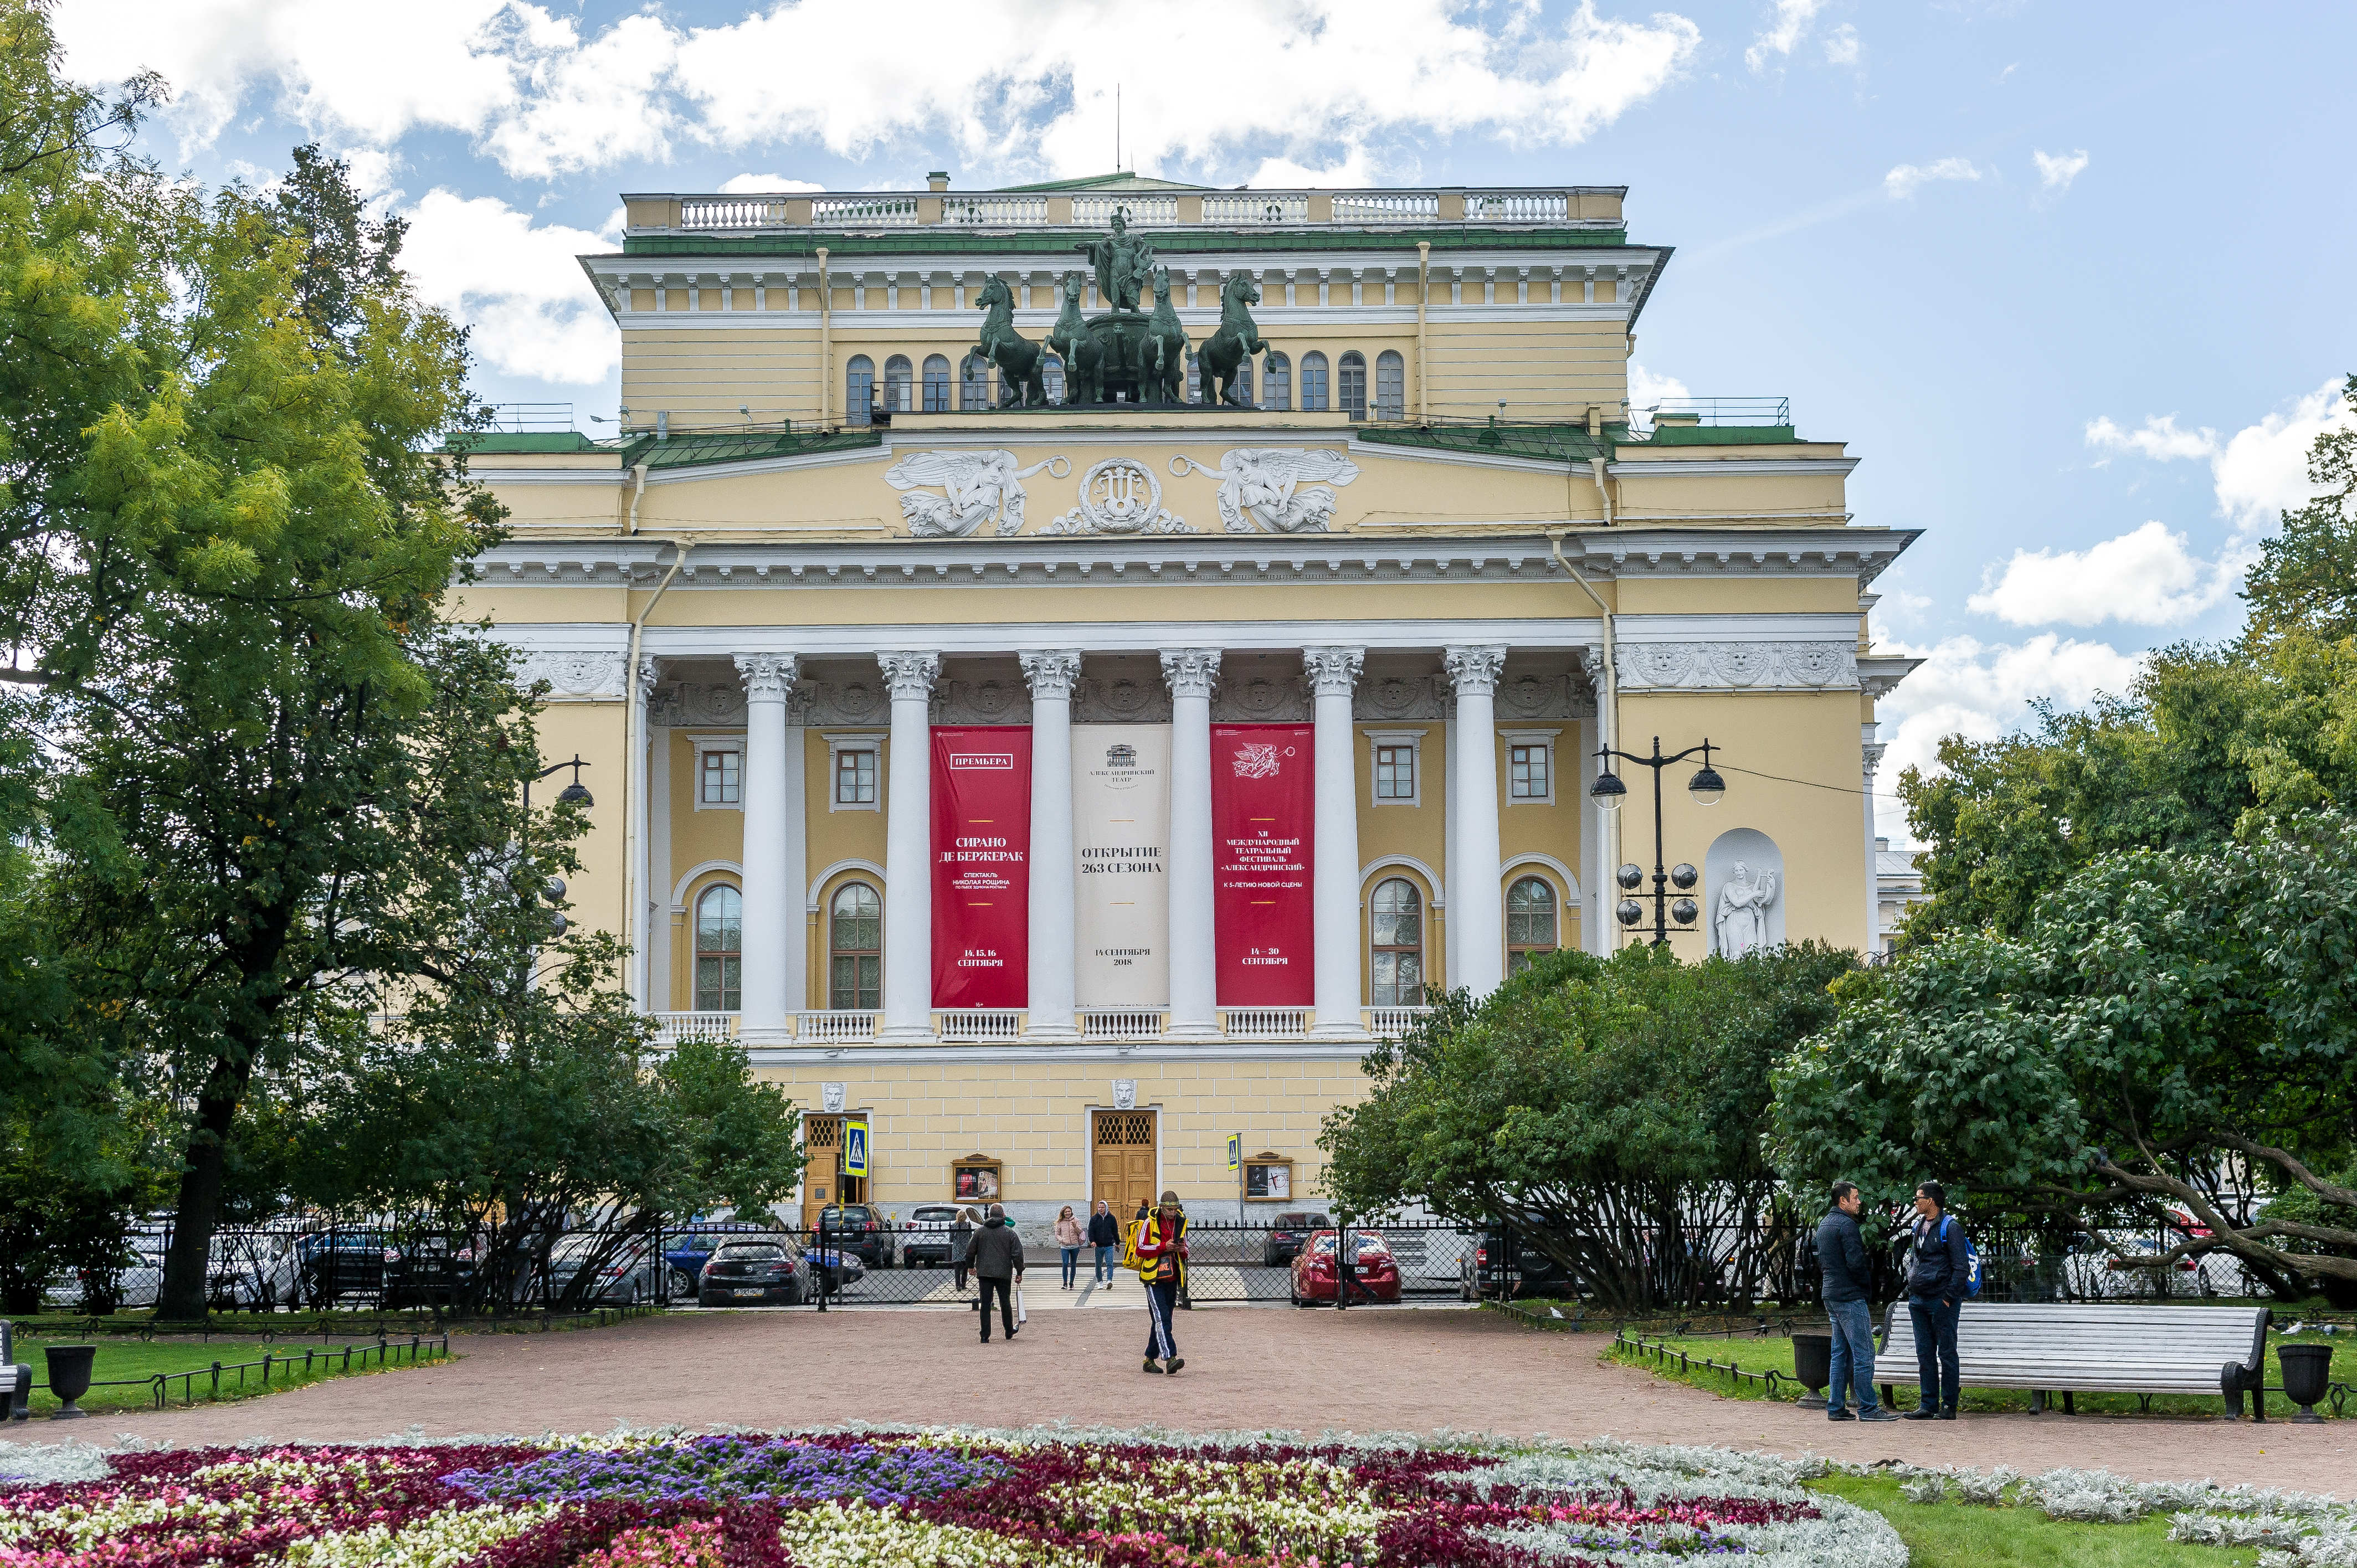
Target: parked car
<point>626,1273</point>
<point>430,1271</point>
<point>686,1251</point>
<point>139,1283</point>
<point>1500,1265</point>
<point>1285,1235</point>
<point>838,1269</point>
<point>859,1229</point>
<point>926,1241</point>
<point>738,1273</point>
<point>331,1264</point>
<point>1374,1277</point>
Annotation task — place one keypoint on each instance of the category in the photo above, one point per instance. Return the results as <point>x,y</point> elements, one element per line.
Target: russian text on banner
<point>1263,809</point>
<point>982,866</point>
<point>1121,851</point>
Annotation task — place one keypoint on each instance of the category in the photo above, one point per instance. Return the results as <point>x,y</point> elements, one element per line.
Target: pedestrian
<point>997,1255</point>
<point>1068,1236</point>
<point>1848,1286</point>
<point>1162,1268</point>
<point>1936,1283</point>
<point>960,1243</point>
<point>1104,1235</point>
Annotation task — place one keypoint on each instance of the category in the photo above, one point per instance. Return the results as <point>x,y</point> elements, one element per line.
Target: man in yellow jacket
<point>1160,1243</point>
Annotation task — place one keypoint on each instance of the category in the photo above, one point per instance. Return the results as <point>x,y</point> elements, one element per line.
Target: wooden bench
<point>2145,1350</point>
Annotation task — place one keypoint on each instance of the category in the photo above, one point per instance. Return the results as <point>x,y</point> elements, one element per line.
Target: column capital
<point>1190,670</point>
<point>768,677</point>
<point>908,673</point>
<point>1873,757</point>
<point>1332,671</point>
<point>646,687</point>
<point>1474,667</point>
<point>1052,673</point>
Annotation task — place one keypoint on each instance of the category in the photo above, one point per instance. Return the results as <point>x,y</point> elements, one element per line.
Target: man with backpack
<point>1937,1282</point>
<point>1849,1288</point>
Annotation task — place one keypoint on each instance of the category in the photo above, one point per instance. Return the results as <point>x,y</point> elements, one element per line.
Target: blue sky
<point>2072,279</point>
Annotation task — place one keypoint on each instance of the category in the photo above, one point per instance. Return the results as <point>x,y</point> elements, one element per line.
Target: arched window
<point>1530,921</point>
<point>897,374</point>
<point>719,951</point>
<point>1353,384</point>
<point>1280,383</point>
<point>858,390</point>
<point>1391,385</point>
<point>855,941</point>
<point>937,383</point>
<point>1242,383</point>
<point>1313,383</point>
<point>1395,936</point>
<point>974,391</point>
<point>1052,376</point>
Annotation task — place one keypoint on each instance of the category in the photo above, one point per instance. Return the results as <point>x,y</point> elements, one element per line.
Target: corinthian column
<point>642,694</point>
<point>1476,907</point>
<point>1333,672</point>
<point>907,849</point>
<point>769,893</point>
<point>1052,938</point>
<point>1194,960</point>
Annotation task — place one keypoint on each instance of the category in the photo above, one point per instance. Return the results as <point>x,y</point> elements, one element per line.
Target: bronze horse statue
<point>1162,352</point>
<point>1014,355</point>
<point>1237,340</point>
<point>1083,360</point>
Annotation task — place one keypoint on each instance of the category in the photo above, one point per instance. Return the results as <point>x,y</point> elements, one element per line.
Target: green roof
<point>692,450</point>
<point>1123,181</point>
<point>1722,435</point>
<point>1541,443</point>
<point>506,441</point>
<point>950,241</point>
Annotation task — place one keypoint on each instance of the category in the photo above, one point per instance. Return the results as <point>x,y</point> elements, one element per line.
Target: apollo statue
<point>1122,263</point>
<point>1741,916</point>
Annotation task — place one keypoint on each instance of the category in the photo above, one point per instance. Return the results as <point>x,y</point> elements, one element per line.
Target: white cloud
<point>1904,181</point>
<point>2158,438</point>
<point>2056,173</point>
<point>2147,577</point>
<point>1793,19</point>
<point>1647,390</point>
<point>1982,690</point>
<point>582,104</point>
<point>2257,473</point>
<point>764,184</point>
<point>1841,46</point>
<point>516,283</point>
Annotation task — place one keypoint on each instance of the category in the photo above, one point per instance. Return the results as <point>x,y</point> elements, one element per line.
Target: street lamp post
<point>1706,786</point>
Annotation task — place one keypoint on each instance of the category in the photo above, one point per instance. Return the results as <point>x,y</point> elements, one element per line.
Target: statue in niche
<point>1741,916</point>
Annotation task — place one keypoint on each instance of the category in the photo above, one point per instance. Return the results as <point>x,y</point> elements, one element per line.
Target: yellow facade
<point>1427,586</point>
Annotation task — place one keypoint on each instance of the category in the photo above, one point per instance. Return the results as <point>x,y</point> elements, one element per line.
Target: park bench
<point>2065,1348</point>
<point>15,1380</point>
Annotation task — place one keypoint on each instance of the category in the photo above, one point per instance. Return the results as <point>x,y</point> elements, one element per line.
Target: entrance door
<point>1121,1146</point>
<point>823,1182</point>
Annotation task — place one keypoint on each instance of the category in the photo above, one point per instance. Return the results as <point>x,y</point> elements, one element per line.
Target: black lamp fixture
<point>1704,788</point>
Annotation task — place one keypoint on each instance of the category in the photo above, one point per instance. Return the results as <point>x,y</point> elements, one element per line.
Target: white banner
<point>1121,844</point>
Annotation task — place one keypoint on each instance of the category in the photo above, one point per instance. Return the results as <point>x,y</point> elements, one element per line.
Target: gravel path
<point>1365,1371</point>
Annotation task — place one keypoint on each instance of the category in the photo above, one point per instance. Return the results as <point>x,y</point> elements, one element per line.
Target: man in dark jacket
<point>997,1259</point>
<point>1849,1287</point>
<point>1104,1235</point>
<point>1935,1300</point>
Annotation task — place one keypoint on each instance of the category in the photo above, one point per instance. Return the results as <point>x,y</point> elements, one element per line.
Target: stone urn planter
<point>69,1378</point>
<point>2307,1376</point>
<point>1813,1364</point>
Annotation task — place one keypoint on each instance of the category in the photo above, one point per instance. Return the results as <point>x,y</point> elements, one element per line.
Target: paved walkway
<point>1364,1372</point>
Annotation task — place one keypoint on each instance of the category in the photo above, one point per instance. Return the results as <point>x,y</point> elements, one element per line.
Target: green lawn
<point>1759,1355</point>
<point>131,1358</point>
<point>1964,1535</point>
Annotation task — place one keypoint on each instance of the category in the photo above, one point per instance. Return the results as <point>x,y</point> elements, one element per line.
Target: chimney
<point>1880,842</point>
<point>938,181</point>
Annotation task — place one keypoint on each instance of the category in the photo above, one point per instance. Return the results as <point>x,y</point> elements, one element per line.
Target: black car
<point>741,1273</point>
<point>858,1230</point>
<point>1285,1235</point>
<point>1499,1267</point>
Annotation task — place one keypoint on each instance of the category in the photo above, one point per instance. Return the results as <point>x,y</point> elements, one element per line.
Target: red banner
<point>982,866</point>
<point>1263,809</point>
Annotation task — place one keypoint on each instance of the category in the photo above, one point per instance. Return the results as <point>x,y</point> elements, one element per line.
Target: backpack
<point>1972,1258</point>
<point>1129,1258</point>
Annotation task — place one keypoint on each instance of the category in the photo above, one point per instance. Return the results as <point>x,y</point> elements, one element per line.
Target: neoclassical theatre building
<point>1063,669</point>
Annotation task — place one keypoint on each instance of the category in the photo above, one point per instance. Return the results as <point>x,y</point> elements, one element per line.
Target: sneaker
<point>1839,1415</point>
<point>1151,1365</point>
<point>1176,1362</point>
<point>1925,1413</point>
<point>1878,1414</point>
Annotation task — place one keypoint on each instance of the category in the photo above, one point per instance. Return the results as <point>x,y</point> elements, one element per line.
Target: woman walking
<point>1069,1237</point>
<point>1162,1267</point>
<point>962,1244</point>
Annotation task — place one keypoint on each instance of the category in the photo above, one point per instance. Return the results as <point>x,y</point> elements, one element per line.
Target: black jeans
<point>1161,1338</point>
<point>1935,1350</point>
<point>1006,1289</point>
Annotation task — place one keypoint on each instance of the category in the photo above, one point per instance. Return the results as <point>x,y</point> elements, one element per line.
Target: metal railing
<point>285,1365</point>
<point>531,418</point>
<point>1723,410</point>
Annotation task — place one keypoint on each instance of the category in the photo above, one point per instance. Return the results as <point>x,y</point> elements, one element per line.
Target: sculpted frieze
<point>987,702</point>
<point>977,488</point>
<point>1273,489</point>
<point>1398,697</point>
<point>1127,699</point>
<point>1732,665</point>
<point>1120,495</point>
<point>573,675</point>
<point>1246,699</point>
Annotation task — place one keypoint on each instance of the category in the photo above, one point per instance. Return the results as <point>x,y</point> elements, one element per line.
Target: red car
<point>1376,1277</point>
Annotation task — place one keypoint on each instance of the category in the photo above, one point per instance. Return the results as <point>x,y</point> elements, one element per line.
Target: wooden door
<point>823,1176</point>
<point>1122,1149</point>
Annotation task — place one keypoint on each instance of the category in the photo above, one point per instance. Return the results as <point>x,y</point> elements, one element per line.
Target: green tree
<point>737,1135</point>
<point>2305,579</point>
<point>1606,1109</point>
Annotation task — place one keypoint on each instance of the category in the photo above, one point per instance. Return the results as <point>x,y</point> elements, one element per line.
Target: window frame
<point>1325,382</point>
<point>1276,369</point>
<point>705,745</point>
<point>1413,739</point>
<point>835,950</point>
<point>1391,385</point>
<point>938,394</point>
<point>1515,877</point>
<point>1349,361</point>
<point>1376,949</point>
<point>900,384</point>
<point>720,955</point>
<point>1543,739</point>
<point>859,371</point>
<point>841,741</point>
<point>985,382</point>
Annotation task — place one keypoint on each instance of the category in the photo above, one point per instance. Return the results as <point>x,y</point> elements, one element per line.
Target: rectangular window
<point>1395,773</point>
<point>854,778</point>
<point>1528,773</point>
<point>723,779</point>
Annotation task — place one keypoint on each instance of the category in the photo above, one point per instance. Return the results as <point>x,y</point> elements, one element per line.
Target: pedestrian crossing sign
<point>1235,1151</point>
<point>854,1148</point>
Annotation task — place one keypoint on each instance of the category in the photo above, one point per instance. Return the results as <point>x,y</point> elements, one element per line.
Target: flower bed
<point>935,1499</point>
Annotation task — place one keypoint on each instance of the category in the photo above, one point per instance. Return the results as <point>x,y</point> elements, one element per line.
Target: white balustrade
<point>867,211</point>
<point>980,1023</point>
<point>1096,211</point>
<point>1122,1023</point>
<point>1517,206</point>
<point>1391,1023</point>
<point>1268,1023</point>
<point>1382,206</point>
<point>1010,211</point>
<point>1256,207</point>
<point>733,212</point>
<point>671,1028</point>
<point>825,1028</point>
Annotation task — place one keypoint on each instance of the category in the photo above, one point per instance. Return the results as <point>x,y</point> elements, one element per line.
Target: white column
<point>1870,760</point>
<point>1477,908</point>
<point>794,795</point>
<point>1194,962</point>
<point>769,897</point>
<point>1595,909</point>
<point>641,860</point>
<point>1051,675</point>
<point>657,899</point>
<point>1333,672</point>
<point>1452,864</point>
<point>907,849</point>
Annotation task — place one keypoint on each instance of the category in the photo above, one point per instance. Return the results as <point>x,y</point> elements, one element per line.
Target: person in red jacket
<point>1162,1269</point>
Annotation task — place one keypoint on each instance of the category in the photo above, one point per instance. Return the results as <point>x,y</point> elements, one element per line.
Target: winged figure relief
<point>1274,490</point>
<point>978,488</point>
